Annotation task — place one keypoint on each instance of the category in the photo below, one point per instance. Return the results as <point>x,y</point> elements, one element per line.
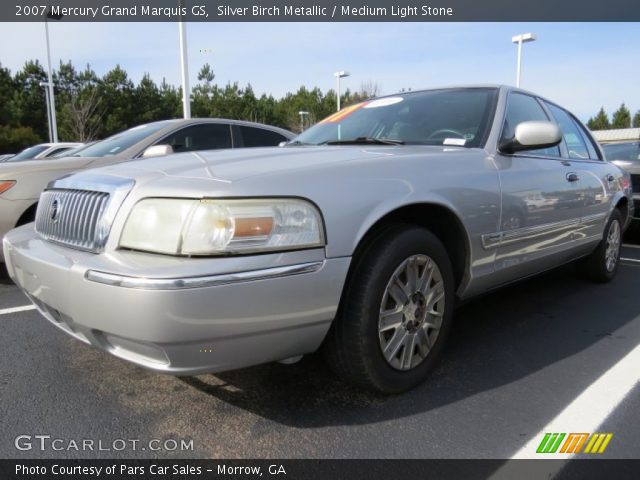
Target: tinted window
<point>524,108</point>
<point>570,132</point>
<point>622,151</point>
<point>121,141</point>
<point>28,153</point>
<point>457,117</point>
<point>200,137</point>
<point>260,137</point>
<point>57,150</point>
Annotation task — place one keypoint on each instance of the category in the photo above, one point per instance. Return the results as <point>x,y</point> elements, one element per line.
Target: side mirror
<point>157,151</point>
<point>532,136</point>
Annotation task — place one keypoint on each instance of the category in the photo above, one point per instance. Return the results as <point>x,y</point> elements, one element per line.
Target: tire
<point>375,314</point>
<point>602,264</point>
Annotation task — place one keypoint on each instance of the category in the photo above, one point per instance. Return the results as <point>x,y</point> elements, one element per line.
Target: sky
<point>581,66</point>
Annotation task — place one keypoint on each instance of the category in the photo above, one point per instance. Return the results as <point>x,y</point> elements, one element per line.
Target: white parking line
<point>628,245</point>
<point>630,259</point>
<point>586,413</point>
<point>24,308</point>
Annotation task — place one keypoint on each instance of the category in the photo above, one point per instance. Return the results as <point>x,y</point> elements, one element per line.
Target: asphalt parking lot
<point>516,360</point>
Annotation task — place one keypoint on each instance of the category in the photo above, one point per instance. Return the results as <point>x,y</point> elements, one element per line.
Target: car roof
<point>180,122</point>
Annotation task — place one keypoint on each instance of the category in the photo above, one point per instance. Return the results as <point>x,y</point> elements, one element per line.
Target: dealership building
<point>617,135</point>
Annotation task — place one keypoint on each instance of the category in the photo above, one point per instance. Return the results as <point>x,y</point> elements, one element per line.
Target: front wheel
<point>396,312</point>
<point>602,264</point>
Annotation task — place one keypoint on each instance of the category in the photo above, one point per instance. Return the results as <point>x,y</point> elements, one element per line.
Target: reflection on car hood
<point>233,165</point>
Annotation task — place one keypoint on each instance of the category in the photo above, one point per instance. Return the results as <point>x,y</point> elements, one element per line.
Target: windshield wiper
<point>365,141</point>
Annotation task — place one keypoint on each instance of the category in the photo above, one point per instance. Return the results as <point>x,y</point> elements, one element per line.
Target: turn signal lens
<point>6,185</point>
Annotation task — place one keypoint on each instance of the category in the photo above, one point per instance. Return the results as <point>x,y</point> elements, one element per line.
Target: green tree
<point>636,120</point>
<point>600,121</point>
<point>30,102</point>
<point>621,118</point>
<point>14,139</point>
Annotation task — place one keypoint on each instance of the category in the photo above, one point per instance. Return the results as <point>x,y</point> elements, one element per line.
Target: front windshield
<point>458,117</point>
<point>120,141</point>
<point>622,151</point>
<point>28,153</point>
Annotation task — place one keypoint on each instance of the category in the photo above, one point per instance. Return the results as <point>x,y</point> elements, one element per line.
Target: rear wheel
<point>396,312</point>
<point>602,264</point>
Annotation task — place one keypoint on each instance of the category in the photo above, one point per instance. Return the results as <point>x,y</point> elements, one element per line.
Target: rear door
<point>596,177</point>
<point>540,201</point>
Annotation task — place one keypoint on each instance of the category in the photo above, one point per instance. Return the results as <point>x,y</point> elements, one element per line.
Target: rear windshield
<point>28,153</point>
<point>622,151</point>
<point>121,141</point>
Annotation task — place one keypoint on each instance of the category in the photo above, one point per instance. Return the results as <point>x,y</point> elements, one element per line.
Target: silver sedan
<point>357,238</point>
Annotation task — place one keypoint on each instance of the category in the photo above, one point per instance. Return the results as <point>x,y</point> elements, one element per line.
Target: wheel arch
<point>439,219</point>
<point>28,216</point>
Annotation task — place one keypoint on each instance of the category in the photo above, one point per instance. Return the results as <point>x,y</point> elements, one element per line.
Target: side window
<point>200,137</point>
<point>260,137</point>
<point>524,108</point>
<point>56,151</point>
<point>593,153</point>
<point>570,132</point>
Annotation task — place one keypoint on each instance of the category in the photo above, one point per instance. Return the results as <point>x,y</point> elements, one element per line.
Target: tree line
<point>90,107</point>
<point>621,119</point>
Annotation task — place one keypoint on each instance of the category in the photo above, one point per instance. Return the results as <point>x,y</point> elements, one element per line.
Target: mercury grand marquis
<point>357,238</point>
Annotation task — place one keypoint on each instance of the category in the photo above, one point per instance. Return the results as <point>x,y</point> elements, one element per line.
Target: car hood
<point>235,165</point>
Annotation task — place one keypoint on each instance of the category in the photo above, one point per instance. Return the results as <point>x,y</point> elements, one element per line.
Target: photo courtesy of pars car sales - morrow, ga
<point>317,239</point>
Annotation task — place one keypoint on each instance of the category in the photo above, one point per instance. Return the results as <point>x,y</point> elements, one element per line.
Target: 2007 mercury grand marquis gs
<point>357,237</point>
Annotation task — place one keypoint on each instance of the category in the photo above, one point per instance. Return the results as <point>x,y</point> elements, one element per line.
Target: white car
<point>42,151</point>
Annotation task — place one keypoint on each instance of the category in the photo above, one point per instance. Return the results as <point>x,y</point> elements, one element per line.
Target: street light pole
<point>184,64</point>
<point>339,75</point>
<point>302,114</point>
<point>45,85</point>
<point>520,39</point>
<point>51,103</point>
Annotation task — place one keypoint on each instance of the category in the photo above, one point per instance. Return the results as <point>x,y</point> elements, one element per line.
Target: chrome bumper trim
<point>200,282</point>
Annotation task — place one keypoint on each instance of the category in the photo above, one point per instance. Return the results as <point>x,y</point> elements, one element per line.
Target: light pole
<point>51,101</point>
<point>45,85</point>
<point>184,64</point>
<point>520,39</point>
<point>339,75</point>
<point>302,114</point>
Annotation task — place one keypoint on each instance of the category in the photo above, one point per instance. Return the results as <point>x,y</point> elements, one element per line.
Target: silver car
<point>627,156</point>
<point>357,238</point>
<point>21,181</point>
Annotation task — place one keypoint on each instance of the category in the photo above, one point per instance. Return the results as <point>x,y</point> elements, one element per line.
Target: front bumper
<point>250,310</point>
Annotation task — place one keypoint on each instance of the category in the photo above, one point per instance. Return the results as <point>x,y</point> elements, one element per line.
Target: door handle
<point>572,177</point>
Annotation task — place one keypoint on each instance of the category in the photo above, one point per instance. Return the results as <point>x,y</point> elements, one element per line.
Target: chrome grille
<point>72,217</point>
<point>635,183</point>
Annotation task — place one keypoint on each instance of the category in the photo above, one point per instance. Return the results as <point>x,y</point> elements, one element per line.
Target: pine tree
<point>600,121</point>
<point>621,118</point>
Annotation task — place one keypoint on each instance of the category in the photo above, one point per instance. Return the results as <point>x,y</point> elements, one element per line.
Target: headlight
<point>6,185</point>
<point>218,227</point>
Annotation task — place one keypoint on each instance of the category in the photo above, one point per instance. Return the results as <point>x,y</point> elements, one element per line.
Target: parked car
<point>73,151</point>
<point>627,156</point>
<point>6,156</point>
<point>43,151</point>
<point>358,237</point>
<point>21,182</point>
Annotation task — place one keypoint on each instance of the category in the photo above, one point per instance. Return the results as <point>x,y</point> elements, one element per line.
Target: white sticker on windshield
<point>384,102</point>
<point>454,141</point>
